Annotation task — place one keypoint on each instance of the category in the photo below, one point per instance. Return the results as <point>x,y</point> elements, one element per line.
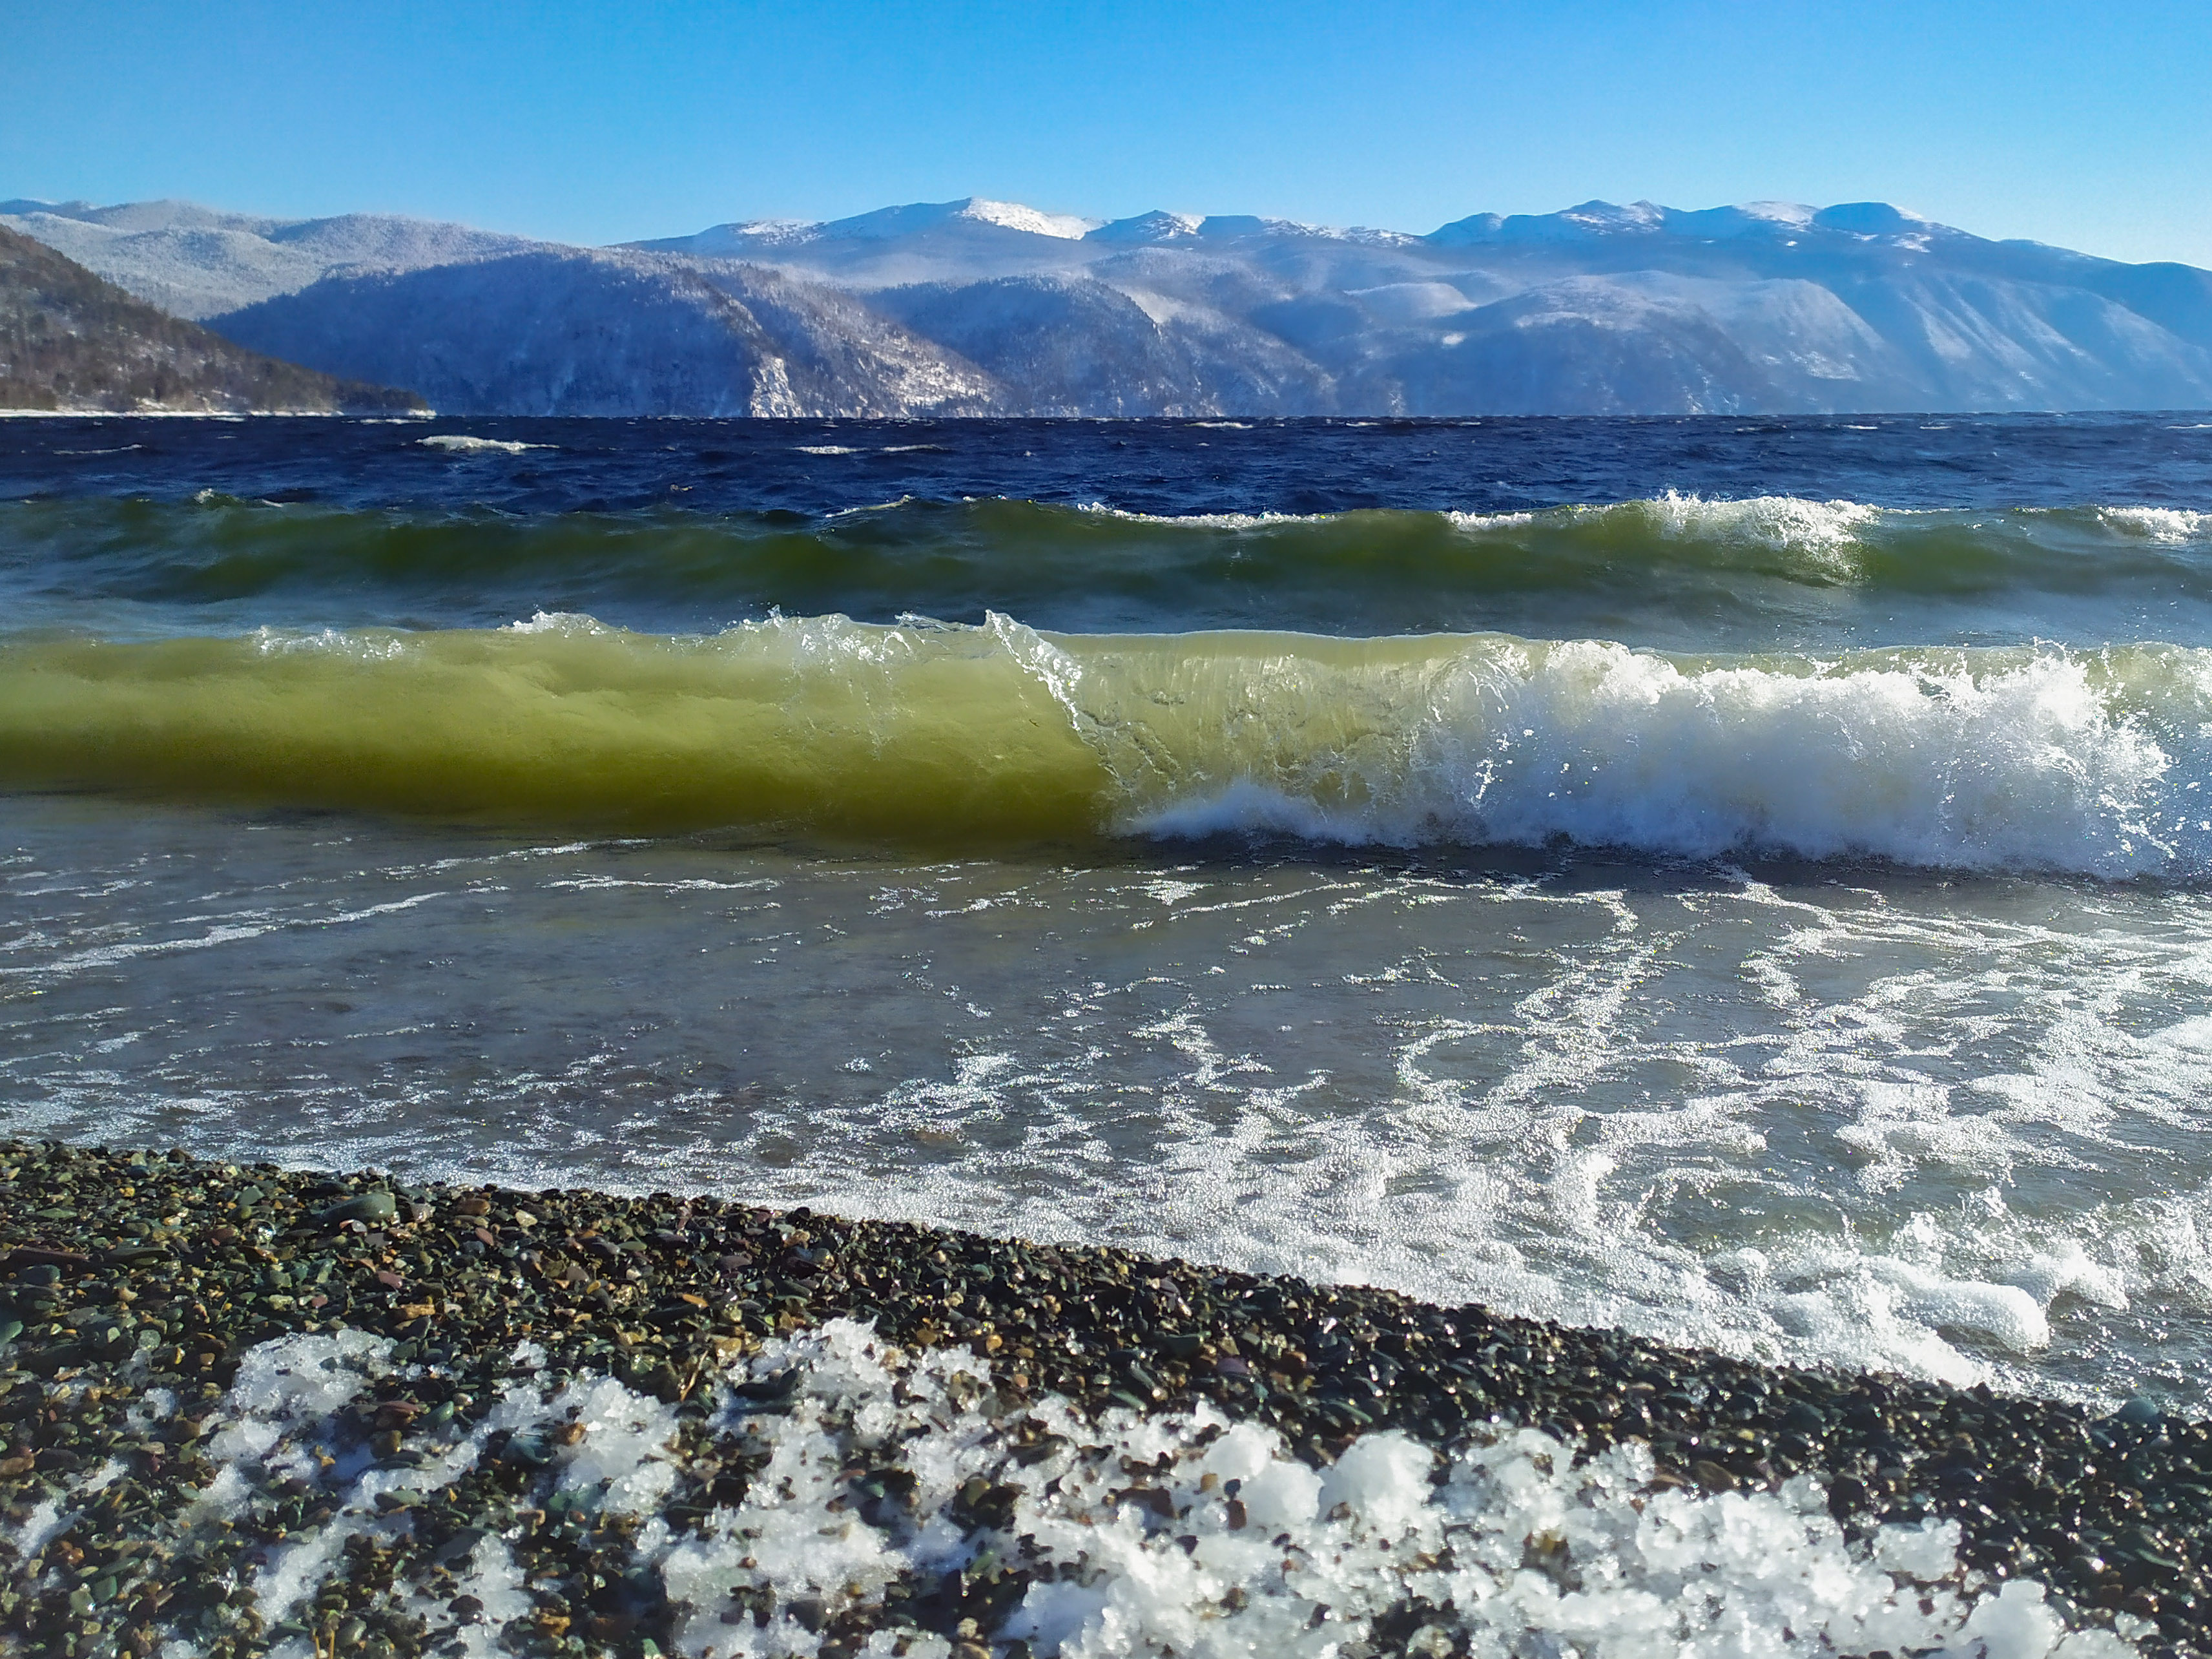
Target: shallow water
<point>1780,923</point>
<point>1874,1116</point>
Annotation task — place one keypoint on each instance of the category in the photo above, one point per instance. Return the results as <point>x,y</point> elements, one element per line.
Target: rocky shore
<point>246,1410</point>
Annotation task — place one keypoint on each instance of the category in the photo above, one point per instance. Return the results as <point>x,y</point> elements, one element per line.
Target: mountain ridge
<point>71,342</point>
<point>603,331</point>
<point>979,306</point>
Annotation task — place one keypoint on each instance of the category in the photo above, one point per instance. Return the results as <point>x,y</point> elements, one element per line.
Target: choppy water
<point>1746,883</point>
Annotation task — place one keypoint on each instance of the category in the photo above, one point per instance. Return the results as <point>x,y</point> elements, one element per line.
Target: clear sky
<point>2085,125</point>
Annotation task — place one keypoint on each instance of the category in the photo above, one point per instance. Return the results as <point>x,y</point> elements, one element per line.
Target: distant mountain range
<point>990,308</point>
<point>70,341</point>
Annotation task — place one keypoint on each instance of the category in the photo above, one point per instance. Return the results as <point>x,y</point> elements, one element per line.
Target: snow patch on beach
<point>880,1478</point>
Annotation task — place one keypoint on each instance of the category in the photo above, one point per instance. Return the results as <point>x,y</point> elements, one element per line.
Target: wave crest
<point>1986,761</point>
<point>1784,523</point>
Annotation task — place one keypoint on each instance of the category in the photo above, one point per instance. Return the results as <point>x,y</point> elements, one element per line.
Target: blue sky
<point>2089,125</point>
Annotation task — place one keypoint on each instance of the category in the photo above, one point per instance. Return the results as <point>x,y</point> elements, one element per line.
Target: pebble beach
<point>249,1409</point>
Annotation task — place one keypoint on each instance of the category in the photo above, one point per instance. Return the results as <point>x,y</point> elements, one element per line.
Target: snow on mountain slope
<point>923,241</point>
<point>1592,346</point>
<point>167,214</point>
<point>196,263</point>
<point>573,331</point>
<point>1067,345</point>
<point>1764,307</point>
<point>191,271</point>
<point>1638,307</point>
<point>1158,226</point>
<point>845,357</point>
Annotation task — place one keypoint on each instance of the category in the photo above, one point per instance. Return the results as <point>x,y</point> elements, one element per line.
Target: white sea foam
<point>1785,523</point>
<point>461,444</point>
<point>1824,537</point>
<point>224,933</point>
<point>1206,521</point>
<point>2045,760</point>
<point>1187,1534</point>
<point>365,645</point>
<point>1476,523</point>
<point>2168,526</point>
<point>1871,1085</point>
<point>558,622</point>
<point>1779,522</point>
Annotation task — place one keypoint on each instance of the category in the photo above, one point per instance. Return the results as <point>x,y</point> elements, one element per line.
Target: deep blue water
<point>1164,466</point>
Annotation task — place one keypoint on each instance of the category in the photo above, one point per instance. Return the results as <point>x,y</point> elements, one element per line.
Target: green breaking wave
<point>956,738</point>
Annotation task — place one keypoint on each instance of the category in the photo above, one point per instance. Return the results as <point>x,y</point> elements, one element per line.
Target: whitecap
<point>2168,526</point>
<point>559,622</point>
<point>1206,521</point>
<point>2046,761</point>
<point>461,444</point>
<point>1785,523</point>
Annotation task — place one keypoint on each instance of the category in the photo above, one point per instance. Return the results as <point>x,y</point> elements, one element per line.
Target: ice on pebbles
<point>1127,1534</point>
<point>280,1424</point>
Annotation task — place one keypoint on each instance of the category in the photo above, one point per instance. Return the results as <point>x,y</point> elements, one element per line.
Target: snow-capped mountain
<point>924,242</point>
<point>1635,309</point>
<point>983,306</point>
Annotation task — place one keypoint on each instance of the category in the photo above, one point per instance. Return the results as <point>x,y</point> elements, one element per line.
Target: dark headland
<point>138,1283</point>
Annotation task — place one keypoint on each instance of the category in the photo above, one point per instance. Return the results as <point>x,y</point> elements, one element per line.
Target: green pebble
<point>367,1206</point>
